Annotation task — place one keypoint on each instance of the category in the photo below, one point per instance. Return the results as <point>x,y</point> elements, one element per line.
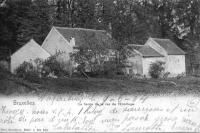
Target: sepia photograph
<point>99,66</point>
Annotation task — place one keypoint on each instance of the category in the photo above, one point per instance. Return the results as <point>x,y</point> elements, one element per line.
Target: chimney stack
<point>72,41</point>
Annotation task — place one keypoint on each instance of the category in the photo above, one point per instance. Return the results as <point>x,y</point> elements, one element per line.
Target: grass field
<point>9,84</point>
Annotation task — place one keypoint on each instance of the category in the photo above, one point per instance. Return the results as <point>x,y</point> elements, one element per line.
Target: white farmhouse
<point>28,52</point>
<point>158,50</point>
<point>67,40</point>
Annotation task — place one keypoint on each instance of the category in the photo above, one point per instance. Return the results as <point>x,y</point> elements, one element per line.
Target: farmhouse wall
<point>135,64</point>
<point>55,42</point>
<point>148,61</point>
<point>28,52</point>
<point>175,64</point>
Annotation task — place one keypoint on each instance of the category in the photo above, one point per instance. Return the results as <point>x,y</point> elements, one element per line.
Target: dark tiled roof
<point>169,46</point>
<point>85,36</point>
<point>146,50</point>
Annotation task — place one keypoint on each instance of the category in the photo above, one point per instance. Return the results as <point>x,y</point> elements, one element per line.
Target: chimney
<point>72,41</point>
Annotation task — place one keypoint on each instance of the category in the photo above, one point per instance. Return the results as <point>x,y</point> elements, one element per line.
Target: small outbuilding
<point>30,51</point>
<point>153,50</point>
<point>174,56</point>
<point>139,62</point>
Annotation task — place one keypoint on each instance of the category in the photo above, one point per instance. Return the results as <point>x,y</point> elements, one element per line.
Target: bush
<point>4,72</point>
<point>32,76</point>
<point>53,65</point>
<point>28,71</point>
<point>23,69</point>
<point>4,65</point>
<point>109,68</point>
<point>156,69</point>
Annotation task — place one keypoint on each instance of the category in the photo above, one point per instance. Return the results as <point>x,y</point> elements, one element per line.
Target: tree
<point>22,20</point>
<point>85,16</point>
<point>65,13</point>
<point>8,26</point>
<point>93,54</point>
<point>75,13</point>
<point>34,21</point>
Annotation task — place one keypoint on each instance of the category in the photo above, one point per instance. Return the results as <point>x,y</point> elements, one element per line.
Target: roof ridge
<point>31,42</point>
<point>169,46</point>
<point>149,51</point>
<point>161,38</point>
<point>135,45</point>
<point>77,28</point>
<point>139,45</point>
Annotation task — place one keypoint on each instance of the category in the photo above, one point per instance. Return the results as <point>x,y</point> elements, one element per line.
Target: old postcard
<point>99,66</point>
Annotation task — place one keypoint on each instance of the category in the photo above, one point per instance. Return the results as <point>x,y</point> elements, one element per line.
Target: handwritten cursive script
<point>92,112</point>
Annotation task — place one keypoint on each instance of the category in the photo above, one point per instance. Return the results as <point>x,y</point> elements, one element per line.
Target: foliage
<point>132,21</point>
<point>23,69</point>
<point>110,68</point>
<point>56,66</point>
<point>38,68</point>
<point>4,72</point>
<point>75,13</point>
<point>33,20</point>
<point>28,71</point>
<point>156,69</point>
<point>93,54</point>
<point>21,20</point>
